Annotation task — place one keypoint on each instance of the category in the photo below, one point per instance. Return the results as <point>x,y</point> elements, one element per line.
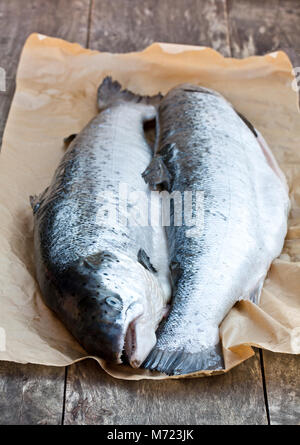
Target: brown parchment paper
<point>56,96</point>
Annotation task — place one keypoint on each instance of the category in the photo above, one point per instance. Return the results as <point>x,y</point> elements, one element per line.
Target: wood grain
<point>131,25</point>
<point>258,27</point>
<point>93,397</point>
<point>18,19</point>
<point>32,394</point>
<point>5,101</point>
<point>282,373</point>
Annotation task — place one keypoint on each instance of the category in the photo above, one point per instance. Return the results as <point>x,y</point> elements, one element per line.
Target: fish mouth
<point>130,344</point>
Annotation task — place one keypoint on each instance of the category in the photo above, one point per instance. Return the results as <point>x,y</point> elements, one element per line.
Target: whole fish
<point>106,279</point>
<point>204,145</point>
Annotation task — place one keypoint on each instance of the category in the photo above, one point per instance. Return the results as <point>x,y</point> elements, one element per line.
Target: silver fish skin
<point>107,282</point>
<point>204,145</point>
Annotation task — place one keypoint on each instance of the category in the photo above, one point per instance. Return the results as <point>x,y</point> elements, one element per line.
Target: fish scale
<point>204,145</point>
<point>104,277</point>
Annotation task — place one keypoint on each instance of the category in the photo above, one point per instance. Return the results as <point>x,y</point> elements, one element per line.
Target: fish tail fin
<point>180,361</point>
<point>111,91</point>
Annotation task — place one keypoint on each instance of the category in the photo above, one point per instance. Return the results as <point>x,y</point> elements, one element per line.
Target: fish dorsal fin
<point>249,125</point>
<point>144,260</point>
<point>175,271</point>
<point>69,139</point>
<point>34,202</point>
<point>266,151</point>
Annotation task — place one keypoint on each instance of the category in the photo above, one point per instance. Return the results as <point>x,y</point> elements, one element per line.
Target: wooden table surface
<point>263,390</point>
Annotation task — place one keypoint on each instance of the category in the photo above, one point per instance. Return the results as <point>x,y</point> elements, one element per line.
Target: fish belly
<point>208,149</point>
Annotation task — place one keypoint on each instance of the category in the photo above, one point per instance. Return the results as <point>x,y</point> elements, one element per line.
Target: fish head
<point>140,328</point>
<point>115,315</point>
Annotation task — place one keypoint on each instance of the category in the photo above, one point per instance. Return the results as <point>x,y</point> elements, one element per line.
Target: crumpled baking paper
<point>55,97</point>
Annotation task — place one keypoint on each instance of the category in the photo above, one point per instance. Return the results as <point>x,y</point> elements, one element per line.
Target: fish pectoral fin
<point>255,293</point>
<point>156,173</point>
<point>181,361</point>
<point>176,271</point>
<point>144,260</point>
<point>34,202</point>
<point>69,139</point>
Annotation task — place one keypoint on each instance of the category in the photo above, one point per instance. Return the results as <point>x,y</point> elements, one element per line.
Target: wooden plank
<point>283,387</point>
<point>257,28</point>
<point>33,394</point>
<point>5,101</point>
<point>18,19</point>
<point>93,397</point>
<point>131,25</point>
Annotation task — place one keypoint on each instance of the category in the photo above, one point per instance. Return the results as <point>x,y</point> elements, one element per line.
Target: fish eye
<point>114,302</point>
